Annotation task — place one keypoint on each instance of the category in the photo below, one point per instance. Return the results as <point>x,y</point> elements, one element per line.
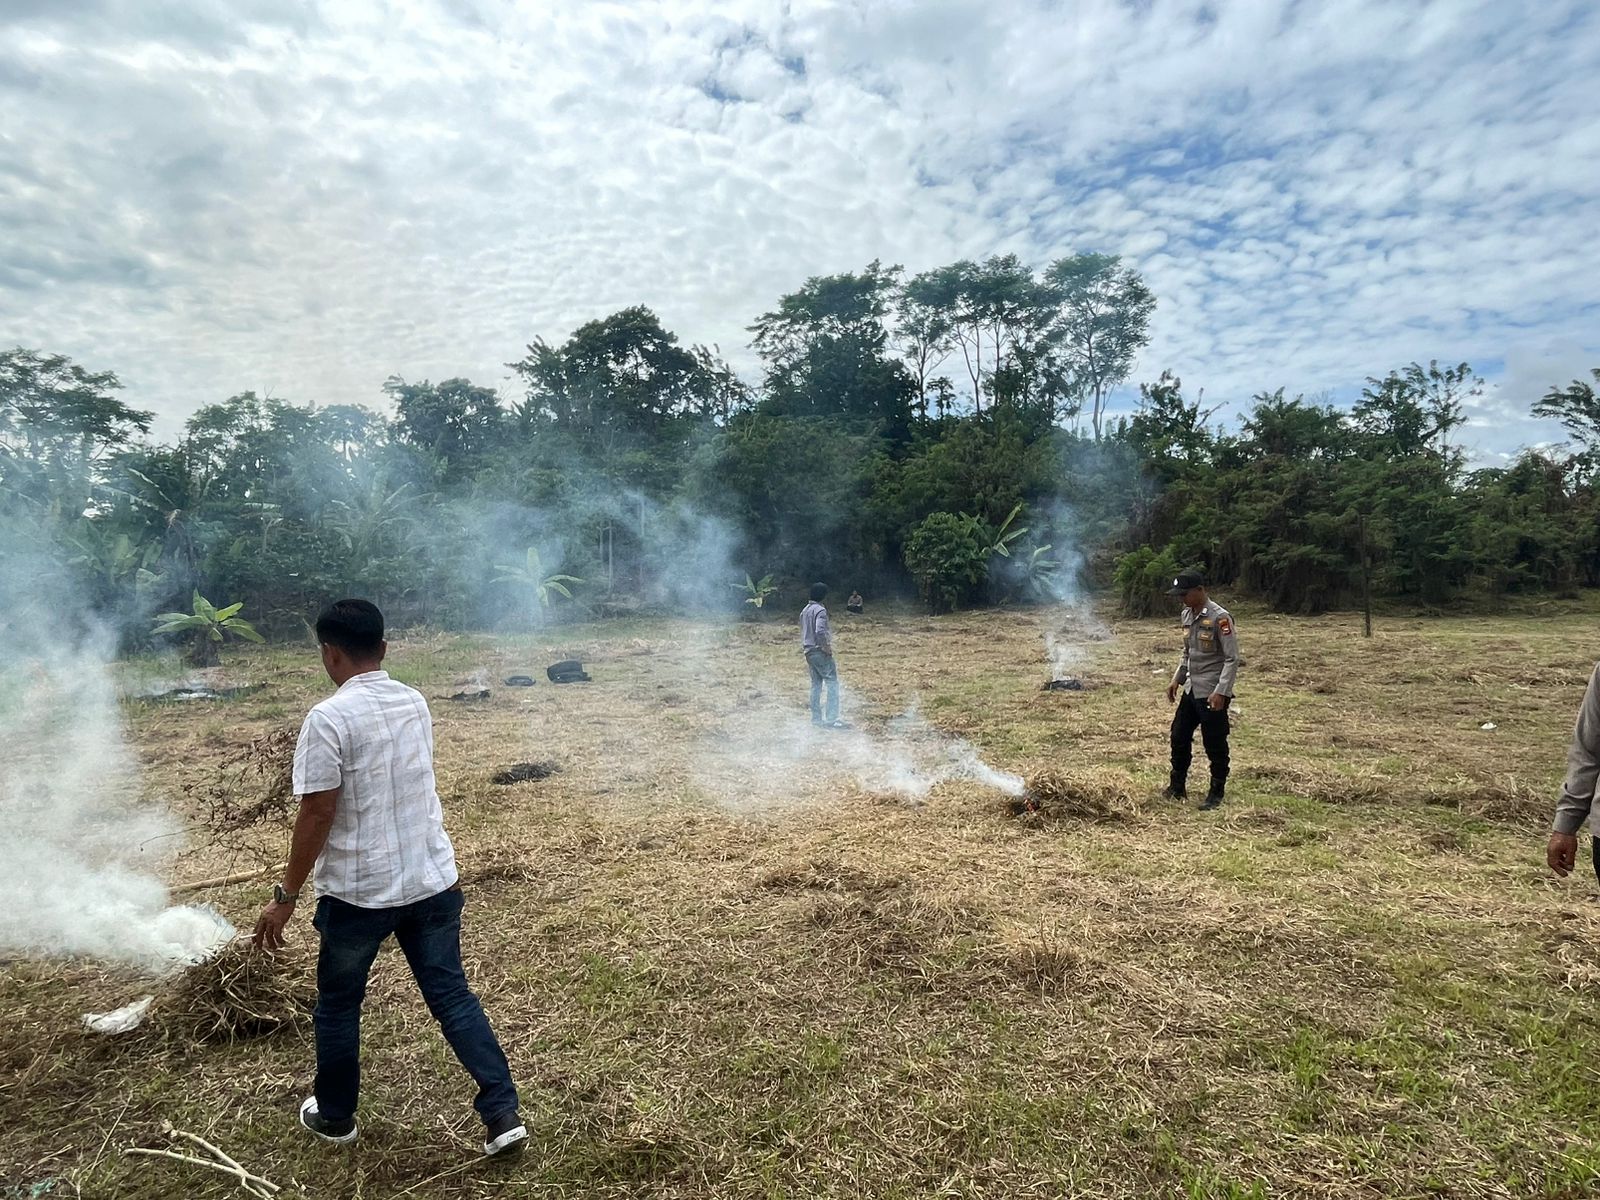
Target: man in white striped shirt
<point>371,823</point>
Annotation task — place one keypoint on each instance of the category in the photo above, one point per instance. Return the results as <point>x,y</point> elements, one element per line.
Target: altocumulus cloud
<point>230,194</point>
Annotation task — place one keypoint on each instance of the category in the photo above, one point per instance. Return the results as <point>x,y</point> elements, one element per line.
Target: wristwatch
<point>279,896</point>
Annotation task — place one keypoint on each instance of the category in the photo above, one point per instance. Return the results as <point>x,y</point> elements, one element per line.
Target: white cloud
<point>209,197</point>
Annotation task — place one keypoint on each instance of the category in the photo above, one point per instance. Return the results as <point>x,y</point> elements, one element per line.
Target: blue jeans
<point>823,671</point>
<point>429,933</point>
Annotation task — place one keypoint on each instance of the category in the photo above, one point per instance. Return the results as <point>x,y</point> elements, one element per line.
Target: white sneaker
<point>504,1134</point>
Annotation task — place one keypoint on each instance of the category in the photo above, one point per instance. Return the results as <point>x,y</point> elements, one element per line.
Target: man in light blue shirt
<point>816,641</point>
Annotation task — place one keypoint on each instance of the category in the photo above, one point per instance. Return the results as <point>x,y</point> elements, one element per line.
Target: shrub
<point>948,556</point>
<point>1142,578</point>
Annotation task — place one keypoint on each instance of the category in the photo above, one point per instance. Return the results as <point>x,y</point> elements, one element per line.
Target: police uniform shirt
<point>1210,651</point>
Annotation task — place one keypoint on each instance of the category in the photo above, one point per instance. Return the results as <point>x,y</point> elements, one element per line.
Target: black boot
<point>1213,798</point>
<point>1174,791</point>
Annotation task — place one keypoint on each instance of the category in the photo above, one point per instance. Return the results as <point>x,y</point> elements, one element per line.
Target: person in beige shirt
<point>1575,808</point>
<point>1202,687</point>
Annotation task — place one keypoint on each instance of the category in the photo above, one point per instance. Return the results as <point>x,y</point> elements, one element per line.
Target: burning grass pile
<point>241,995</point>
<point>1080,793</point>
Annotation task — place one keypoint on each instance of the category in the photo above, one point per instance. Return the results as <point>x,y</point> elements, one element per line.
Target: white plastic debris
<point>1487,726</point>
<point>129,1016</point>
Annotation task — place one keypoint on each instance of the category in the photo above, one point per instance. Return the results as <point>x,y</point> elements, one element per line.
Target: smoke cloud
<point>757,759</point>
<point>80,853</point>
<point>1071,625</point>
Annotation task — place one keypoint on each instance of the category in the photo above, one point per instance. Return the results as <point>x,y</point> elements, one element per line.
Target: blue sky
<point>304,199</point>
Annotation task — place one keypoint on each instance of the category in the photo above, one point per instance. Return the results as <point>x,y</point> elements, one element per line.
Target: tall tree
<point>1172,434</point>
<point>1577,406</point>
<point>995,314</point>
<point>1444,392</point>
<point>1407,411</point>
<point>923,336</point>
<point>624,381</point>
<point>847,306</point>
<point>1103,321</point>
<point>826,350</point>
<point>455,423</point>
<point>58,424</point>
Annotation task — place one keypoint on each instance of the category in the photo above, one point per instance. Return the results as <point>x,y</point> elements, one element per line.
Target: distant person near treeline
<point>855,604</point>
<point>816,643</point>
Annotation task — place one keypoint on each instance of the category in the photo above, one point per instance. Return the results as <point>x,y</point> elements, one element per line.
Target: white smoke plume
<point>755,762</point>
<point>1071,623</point>
<point>79,852</point>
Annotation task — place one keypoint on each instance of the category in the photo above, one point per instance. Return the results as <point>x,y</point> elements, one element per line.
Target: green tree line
<point>941,434</point>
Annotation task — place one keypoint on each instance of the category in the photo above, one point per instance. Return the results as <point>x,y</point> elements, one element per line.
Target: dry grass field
<point>727,959</point>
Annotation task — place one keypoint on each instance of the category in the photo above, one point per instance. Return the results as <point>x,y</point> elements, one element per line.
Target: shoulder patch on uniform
<point>1225,624</point>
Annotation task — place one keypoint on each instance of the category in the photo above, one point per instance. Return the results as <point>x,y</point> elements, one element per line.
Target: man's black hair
<point>355,626</point>
<point>818,590</point>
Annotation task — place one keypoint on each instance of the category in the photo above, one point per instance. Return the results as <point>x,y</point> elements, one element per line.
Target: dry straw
<point>241,994</point>
<point>1086,793</point>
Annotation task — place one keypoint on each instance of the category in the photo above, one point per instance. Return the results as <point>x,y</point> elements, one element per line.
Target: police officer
<point>1205,675</point>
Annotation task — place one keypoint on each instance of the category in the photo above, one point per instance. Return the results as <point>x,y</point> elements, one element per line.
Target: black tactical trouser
<point>1196,711</point>
<point>1594,846</point>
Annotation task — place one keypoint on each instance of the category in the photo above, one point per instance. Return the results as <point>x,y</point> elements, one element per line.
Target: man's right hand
<point>1562,853</point>
<point>269,926</point>
<point>1172,693</point>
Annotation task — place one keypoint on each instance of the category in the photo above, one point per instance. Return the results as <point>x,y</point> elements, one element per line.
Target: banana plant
<point>756,591</point>
<point>209,626</point>
<point>116,563</point>
<point>530,574</point>
<point>1038,572</point>
<point>1005,535</point>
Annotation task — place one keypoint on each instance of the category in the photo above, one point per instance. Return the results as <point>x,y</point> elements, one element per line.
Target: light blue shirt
<point>815,633</point>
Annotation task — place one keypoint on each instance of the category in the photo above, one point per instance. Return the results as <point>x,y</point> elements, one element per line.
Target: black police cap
<point>1185,581</point>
